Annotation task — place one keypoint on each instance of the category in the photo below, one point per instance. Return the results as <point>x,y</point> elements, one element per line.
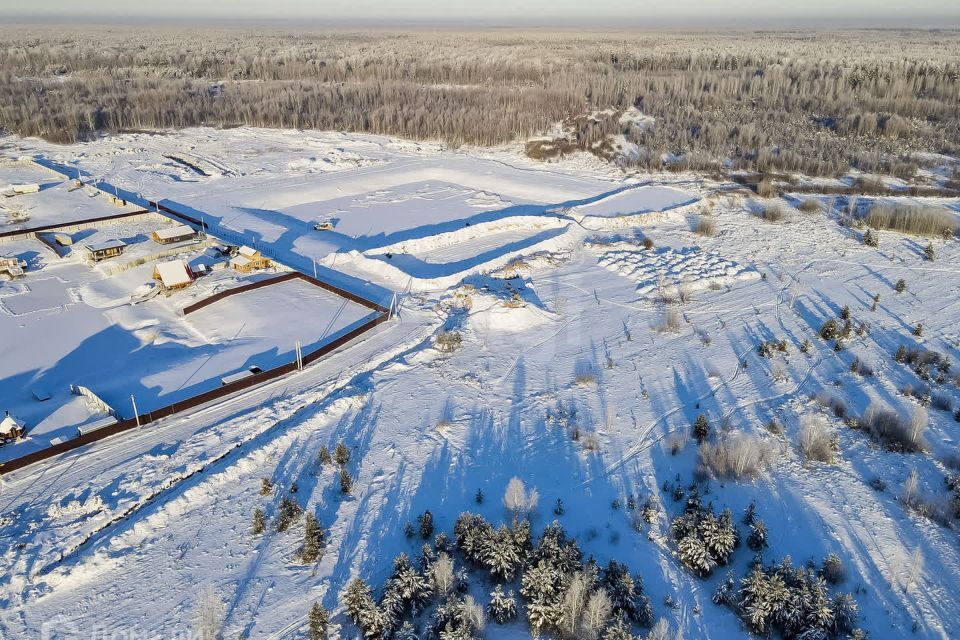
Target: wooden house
<point>11,428</point>
<point>248,260</point>
<point>102,250</point>
<point>173,235</point>
<point>173,275</point>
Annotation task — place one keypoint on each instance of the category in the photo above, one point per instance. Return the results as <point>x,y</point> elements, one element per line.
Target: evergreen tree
<point>341,454</point>
<point>288,512</point>
<point>313,540</point>
<point>411,588</point>
<point>319,620</point>
<point>425,521</point>
<point>499,554</point>
<point>901,355</point>
<point>259,522</point>
<point>406,632</point>
<point>618,630</point>
<point>929,253</point>
<point>701,428</point>
<point>695,555</point>
<point>357,599</point>
<point>324,456</point>
<point>503,606</point>
<point>901,285</point>
<point>757,540</point>
<point>346,482</point>
<point>266,486</point>
<point>478,498</point>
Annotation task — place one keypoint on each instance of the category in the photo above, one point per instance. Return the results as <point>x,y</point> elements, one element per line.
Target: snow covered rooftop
<point>178,231</point>
<point>9,425</point>
<point>248,252</point>
<point>173,273</point>
<point>240,261</point>
<point>107,244</point>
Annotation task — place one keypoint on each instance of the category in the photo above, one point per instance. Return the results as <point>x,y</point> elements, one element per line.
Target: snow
<point>636,200</point>
<point>86,539</point>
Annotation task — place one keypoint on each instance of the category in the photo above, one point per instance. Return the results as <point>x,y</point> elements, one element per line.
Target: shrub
<point>833,570</point>
<point>829,330</point>
<point>810,205</point>
<point>736,455</point>
<point>817,440</point>
<point>706,225</point>
<point>871,239</point>
<point>912,219</point>
<point>772,213</point>
<point>892,431</point>
<point>266,486</point>
<point>901,285</point>
<point>765,188</point>
<point>834,403</point>
<point>669,321</point>
<point>449,341</point>
<point>647,242</point>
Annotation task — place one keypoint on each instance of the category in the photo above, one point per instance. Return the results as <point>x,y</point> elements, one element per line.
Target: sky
<point>907,13</point>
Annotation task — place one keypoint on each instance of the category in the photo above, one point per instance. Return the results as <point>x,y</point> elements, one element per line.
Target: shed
<point>173,275</point>
<point>11,428</point>
<point>171,235</point>
<point>12,266</point>
<point>102,250</point>
<point>248,260</point>
<point>63,239</point>
<point>26,188</point>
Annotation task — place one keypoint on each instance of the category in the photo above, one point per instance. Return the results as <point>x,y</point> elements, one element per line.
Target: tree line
<point>765,101</point>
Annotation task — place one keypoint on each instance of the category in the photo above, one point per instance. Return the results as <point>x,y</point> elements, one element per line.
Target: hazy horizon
<point>496,13</point>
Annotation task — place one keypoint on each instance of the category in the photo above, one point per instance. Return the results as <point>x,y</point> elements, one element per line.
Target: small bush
<point>772,213</point>
<point>818,441</point>
<point>765,188</point>
<point>735,456</point>
<point>912,219</point>
<point>901,285</point>
<point>833,570</point>
<point>706,226</point>
<point>449,341</point>
<point>892,431</point>
<point>835,404</point>
<point>648,242</point>
<point>810,205</point>
<point>669,321</point>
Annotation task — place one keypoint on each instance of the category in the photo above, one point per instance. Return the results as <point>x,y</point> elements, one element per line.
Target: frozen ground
<point>88,538</point>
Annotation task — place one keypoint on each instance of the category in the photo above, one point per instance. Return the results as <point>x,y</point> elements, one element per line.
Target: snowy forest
<point>817,103</point>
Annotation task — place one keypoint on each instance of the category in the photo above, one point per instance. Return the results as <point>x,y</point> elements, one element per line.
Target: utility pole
<point>136,414</point>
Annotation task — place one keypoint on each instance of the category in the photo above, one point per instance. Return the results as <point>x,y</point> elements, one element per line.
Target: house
<point>117,201</point>
<point>172,235</point>
<point>173,275</point>
<point>248,260</point>
<point>102,250</point>
<point>12,266</point>
<point>11,428</point>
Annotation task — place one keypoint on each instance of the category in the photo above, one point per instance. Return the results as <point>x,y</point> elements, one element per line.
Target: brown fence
<point>73,223</point>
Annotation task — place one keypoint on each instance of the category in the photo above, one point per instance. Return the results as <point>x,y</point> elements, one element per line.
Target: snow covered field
<point>562,332</point>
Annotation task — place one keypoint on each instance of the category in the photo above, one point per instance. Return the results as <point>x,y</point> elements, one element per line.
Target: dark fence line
<point>217,297</point>
<point>190,403</point>
<point>60,225</point>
